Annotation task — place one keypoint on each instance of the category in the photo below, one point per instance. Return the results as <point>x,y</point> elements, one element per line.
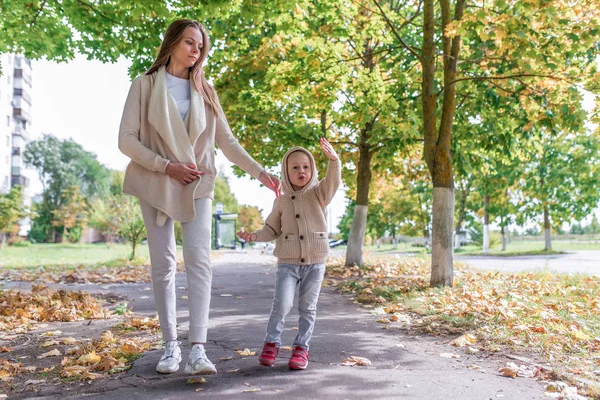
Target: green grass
<point>58,254</point>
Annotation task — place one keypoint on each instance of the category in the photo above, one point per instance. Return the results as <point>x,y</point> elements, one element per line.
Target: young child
<point>299,225</point>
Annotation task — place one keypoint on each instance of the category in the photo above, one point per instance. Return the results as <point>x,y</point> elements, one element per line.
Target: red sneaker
<point>269,354</point>
<point>299,359</point>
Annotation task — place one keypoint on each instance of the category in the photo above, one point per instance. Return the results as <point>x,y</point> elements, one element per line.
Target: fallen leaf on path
<point>233,370</point>
<point>73,370</point>
<point>474,367</point>
<point>226,295</point>
<point>90,358</point>
<point>449,355</point>
<point>199,389</point>
<point>286,348</point>
<point>225,358</point>
<point>246,352</point>
<point>196,380</point>
<point>511,370</point>
<point>49,343</point>
<point>464,340</point>
<point>355,360</point>
<point>68,340</point>
<point>35,381</point>
<point>50,353</point>
<point>51,333</point>
<point>251,390</point>
<point>5,349</point>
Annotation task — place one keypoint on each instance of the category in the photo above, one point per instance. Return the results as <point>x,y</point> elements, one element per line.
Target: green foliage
<point>63,165</point>
<point>250,218</point>
<point>12,209</point>
<point>224,195</point>
<point>131,223</point>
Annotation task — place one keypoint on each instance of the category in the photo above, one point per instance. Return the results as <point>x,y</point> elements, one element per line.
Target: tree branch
<point>38,13</point>
<point>389,23</point>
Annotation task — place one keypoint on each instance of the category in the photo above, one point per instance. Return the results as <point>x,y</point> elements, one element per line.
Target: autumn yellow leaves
<point>555,317</point>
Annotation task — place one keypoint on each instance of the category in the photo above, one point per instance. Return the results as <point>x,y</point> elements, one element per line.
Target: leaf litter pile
<point>555,317</point>
<point>26,317</point>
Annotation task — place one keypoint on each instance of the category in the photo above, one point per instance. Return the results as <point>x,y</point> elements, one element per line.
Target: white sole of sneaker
<point>201,372</point>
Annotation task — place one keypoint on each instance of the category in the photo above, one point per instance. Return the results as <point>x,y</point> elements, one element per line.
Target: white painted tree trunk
<point>547,229</point>
<point>486,239</point>
<point>354,252</point>
<point>442,230</point>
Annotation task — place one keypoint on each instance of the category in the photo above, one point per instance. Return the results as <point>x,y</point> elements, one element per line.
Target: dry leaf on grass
<point>355,360</point>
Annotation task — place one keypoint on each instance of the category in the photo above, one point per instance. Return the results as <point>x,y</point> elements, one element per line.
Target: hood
<point>287,186</point>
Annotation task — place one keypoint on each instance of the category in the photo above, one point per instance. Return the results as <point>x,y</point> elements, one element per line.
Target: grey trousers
<point>196,256</point>
<point>308,279</point>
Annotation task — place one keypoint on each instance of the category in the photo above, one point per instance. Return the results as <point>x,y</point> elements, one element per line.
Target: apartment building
<point>15,122</point>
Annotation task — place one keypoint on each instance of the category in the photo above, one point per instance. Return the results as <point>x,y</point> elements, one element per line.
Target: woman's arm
<point>129,133</point>
<point>240,157</point>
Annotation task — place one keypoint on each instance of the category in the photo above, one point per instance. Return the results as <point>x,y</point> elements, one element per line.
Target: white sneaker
<point>169,362</point>
<point>198,363</point>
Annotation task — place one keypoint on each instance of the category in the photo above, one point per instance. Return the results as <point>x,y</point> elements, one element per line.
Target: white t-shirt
<point>180,90</point>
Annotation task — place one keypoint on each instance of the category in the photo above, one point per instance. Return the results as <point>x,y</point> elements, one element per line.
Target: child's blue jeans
<point>308,279</point>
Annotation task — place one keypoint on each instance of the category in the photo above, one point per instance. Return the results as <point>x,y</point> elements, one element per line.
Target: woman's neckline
<point>176,77</point>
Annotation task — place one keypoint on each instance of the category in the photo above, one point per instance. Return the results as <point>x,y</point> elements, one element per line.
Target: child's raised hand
<point>328,149</point>
<point>247,236</point>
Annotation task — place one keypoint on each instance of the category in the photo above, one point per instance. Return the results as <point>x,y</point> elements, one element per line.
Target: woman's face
<point>187,52</point>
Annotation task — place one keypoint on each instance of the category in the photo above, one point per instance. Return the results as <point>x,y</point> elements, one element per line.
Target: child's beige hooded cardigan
<point>152,133</point>
<point>298,219</point>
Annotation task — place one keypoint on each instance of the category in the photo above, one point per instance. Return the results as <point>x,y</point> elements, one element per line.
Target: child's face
<point>298,169</point>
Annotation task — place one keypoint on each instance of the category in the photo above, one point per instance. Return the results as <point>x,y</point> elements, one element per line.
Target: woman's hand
<point>328,149</point>
<point>247,236</point>
<point>271,182</point>
<point>183,173</point>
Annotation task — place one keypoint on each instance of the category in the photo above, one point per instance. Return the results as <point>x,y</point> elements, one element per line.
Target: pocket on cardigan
<point>288,246</point>
<point>320,243</point>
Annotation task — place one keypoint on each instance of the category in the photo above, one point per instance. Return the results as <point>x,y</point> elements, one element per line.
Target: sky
<point>83,100</point>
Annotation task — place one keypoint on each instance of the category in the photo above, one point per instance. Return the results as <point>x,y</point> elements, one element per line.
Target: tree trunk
<point>486,225</point>
<point>437,148</point>
<point>461,214</point>
<point>441,249</point>
<point>502,232</point>
<point>354,252</point>
<point>3,240</point>
<point>547,229</point>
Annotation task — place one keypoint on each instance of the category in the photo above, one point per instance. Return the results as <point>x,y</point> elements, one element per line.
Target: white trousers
<point>196,256</point>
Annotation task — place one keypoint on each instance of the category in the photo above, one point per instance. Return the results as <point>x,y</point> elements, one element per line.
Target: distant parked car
<point>339,242</point>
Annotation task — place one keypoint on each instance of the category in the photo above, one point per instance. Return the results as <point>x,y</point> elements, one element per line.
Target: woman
<point>171,122</point>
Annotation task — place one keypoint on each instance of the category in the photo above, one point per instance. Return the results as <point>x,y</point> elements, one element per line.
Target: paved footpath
<point>585,262</point>
<point>242,293</point>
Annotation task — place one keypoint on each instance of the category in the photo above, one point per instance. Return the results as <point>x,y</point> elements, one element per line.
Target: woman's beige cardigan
<point>152,133</point>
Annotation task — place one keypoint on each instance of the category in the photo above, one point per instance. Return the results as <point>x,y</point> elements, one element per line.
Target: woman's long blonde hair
<point>172,38</point>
